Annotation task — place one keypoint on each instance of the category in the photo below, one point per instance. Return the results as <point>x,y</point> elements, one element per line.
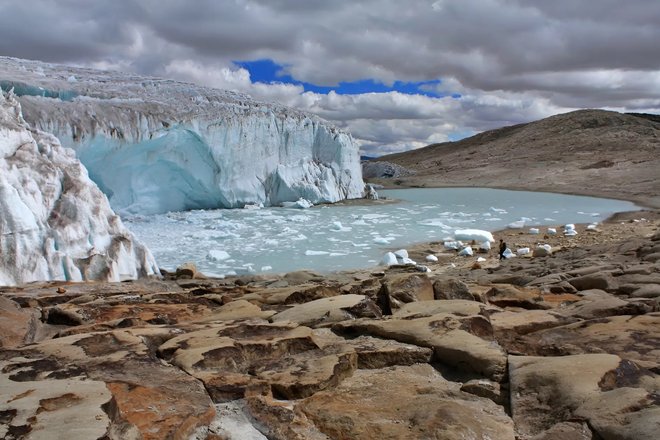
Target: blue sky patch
<point>267,71</point>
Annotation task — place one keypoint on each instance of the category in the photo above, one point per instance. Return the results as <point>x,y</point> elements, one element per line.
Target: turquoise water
<point>338,237</point>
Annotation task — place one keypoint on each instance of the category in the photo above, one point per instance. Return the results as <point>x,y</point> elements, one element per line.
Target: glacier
<point>55,223</point>
<point>154,145</point>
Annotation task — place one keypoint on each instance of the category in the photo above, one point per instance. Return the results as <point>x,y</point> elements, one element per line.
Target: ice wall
<point>55,224</point>
<point>157,145</point>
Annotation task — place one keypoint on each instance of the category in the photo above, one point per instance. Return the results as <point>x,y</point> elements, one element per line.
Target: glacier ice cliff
<point>55,223</point>
<point>155,145</point>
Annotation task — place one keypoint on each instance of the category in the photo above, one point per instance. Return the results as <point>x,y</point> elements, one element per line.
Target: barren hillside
<point>593,152</point>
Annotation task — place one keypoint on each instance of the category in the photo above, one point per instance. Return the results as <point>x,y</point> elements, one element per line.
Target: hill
<point>590,152</point>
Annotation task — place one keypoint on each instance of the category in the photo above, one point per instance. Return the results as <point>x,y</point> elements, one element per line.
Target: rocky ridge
<point>589,152</point>
<point>560,346</point>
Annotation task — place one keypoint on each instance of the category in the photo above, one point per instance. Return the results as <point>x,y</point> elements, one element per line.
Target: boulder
<point>451,288</point>
<point>19,326</point>
<point>647,291</point>
<point>598,280</point>
<point>187,271</point>
<point>401,288</point>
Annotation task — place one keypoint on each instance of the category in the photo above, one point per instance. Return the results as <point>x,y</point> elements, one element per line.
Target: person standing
<point>502,249</point>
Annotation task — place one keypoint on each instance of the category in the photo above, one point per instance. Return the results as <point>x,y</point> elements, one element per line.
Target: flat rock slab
<point>53,408</point>
<point>459,307</point>
<point>631,337</point>
<point>598,303</point>
<point>546,391</point>
<point>141,396</point>
<point>404,402</point>
<point>283,357</point>
<point>456,341</point>
<point>329,310</point>
<point>526,321</point>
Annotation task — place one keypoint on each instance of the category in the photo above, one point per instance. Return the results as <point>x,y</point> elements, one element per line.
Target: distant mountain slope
<point>593,152</point>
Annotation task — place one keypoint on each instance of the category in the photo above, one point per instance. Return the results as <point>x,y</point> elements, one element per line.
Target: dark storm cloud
<point>511,60</point>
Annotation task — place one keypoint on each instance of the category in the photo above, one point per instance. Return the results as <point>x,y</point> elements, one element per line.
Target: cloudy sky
<point>396,74</point>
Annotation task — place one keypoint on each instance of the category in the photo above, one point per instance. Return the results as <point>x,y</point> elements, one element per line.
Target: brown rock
<point>17,326</point>
<point>230,358</point>
<point>453,339</point>
<point>545,391</point>
<point>125,383</point>
<point>601,281</point>
<point>635,338</point>
<point>329,310</point>
<point>598,303</point>
<point>451,288</point>
<point>404,288</point>
<point>510,296</point>
<point>404,402</point>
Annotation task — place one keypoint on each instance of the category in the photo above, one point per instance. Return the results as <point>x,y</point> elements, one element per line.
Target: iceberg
<point>55,223</point>
<point>473,234</point>
<point>155,145</point>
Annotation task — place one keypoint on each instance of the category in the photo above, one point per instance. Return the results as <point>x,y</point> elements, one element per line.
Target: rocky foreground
<point>564,346</point>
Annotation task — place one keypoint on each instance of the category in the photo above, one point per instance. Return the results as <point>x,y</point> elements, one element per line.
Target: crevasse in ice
<point>155,145</point>
<point>55,224</point>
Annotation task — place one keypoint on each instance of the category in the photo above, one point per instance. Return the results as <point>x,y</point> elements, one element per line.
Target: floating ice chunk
<point>484,246</point>
<point>453,245</point>
<point>523,251</point>
<point>519,224</point>
<point>466,252</point>
<point>401,253</point>
<point>217,255</point>
<point>383,240</point>
<point>338,254</point>
<point>266,268</point>
<point>436,223</point>
<point>337,226</point>
<point>253,206</point>
<point>432,258</point>
<point>71,79</point>
<point>481,260</point>
<point>552,231</point>
<point>503,211</point>
<point>389,259</point>
<point>298,204</point>
<point>473,234</point>
<point>310,253</point>
<point>534,230</point>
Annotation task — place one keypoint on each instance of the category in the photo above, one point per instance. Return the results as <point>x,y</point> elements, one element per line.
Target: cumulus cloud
<point>510,60</point>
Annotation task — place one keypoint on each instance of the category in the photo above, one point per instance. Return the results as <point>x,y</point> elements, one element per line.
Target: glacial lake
<point>337,237</point>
